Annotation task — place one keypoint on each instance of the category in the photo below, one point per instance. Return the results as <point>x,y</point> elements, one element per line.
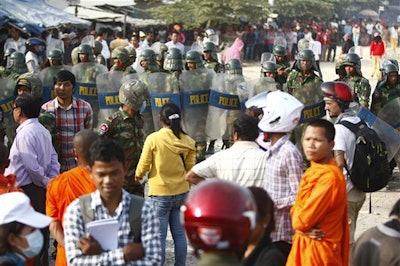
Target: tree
<point>302,9</point>
<point>210,12</point>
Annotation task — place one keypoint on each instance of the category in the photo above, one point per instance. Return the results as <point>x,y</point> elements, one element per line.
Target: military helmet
<point>133,93</point>
<point>269,67</point>
<point>390,68</point>
<point>85,48</point>
<point>55,54</point>
<point>306,54</point>
<point>389,61</point>
<point>97,47</point>
<point>31,81</point>
<point>209,46</point>
<point>339,67</point>
<point>352,59</point>
<point>9,51</point>
<point>173,60</point>
<point>121,54</point>
<point>234,66</point>
<point>131,51</point>
<point>279,50</point>
<point>34,41</point>
<point>193,56</point>
<point>18,58</point>
<point>148,54</point>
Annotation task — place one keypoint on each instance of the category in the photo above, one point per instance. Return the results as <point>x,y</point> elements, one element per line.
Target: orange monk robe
<point>7,184</point>
<point>321,203</point>
<point>61,191</point>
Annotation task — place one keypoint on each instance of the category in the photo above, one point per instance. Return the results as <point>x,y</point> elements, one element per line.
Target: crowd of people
<point>88,123</point>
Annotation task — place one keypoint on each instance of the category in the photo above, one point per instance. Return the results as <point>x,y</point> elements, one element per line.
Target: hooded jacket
<point>167,159</point>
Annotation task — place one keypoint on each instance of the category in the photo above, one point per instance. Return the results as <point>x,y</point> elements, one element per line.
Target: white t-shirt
<point>316,47</point>
<point>345,140</point>
<point>178,45</point>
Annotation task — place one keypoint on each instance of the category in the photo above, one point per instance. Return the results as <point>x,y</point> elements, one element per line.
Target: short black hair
<point>64,75</point>
<point>328,126</point>
<point>246,127</point>
<point>105,150</point>
<point>314,35</point>
<point>30,104</point>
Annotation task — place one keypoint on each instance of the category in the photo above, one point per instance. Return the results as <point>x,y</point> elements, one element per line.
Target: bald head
<point>82,142</point>
<point>4,161</point>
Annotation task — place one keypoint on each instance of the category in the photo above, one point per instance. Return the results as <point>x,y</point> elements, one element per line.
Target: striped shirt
<point>69,121</point>
<point>284,171</point>
<point>74,229</point>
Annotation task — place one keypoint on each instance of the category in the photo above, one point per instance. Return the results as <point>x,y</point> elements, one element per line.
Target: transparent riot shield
<point>108,85</point>
<point>163,88</point>
<point>265,84</point>
<point>6,103</point>
<point>197,47</point>
<point>280,40</point>
<point>85,87</point>
<point>47,78</point>
<point>224,106</point>
<point>266,56</point>
<point>303,44</point>
<point>195,93</point>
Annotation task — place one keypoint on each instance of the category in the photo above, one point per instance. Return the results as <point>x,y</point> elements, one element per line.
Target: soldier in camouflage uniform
<point>269,79</point>
<point>387,90</point>
<point>303,73</point>
<point>126,127</point>
<point>148,61</point>
<point>211,58</point>
<point>340,69</point>
<point>282,64</point>
<point>132,58</point>
<point>120,59</point>
<point>99,58</point>
<point>359,85</point>
<point>17,66</point>
<point>85,53</point>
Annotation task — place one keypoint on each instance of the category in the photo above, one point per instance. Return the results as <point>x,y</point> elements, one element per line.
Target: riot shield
<point>163,88</point>
<point>224,106</point>
<point>108,85</point>
<point>6,103</point>
<point>266,56</point>
<point>85,87</point>
<point>385,131</point>
<point>280,40</point>
<point>195,93</point>
<point>147,114</point>
<point>390,113</point>
<point>89,39</point>
<point>264,84</point>
<point>197,47</point>
<point>245,90</point>
<point>47,78</point>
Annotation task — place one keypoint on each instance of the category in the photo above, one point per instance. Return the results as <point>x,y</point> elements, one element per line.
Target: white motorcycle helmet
<point>257,101</point>
<point>282,113</point>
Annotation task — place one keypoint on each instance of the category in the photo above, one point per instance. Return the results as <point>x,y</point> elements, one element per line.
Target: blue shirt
<point>9,257</point>
<point>32,155</point>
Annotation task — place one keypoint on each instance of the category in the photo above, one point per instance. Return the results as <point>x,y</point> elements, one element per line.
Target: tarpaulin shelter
<point>35,16</point>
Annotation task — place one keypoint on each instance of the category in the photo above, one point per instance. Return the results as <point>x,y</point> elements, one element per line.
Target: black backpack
<point>371,170</point>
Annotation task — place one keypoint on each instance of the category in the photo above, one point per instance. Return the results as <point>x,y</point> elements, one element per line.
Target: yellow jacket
<point>167,159</point>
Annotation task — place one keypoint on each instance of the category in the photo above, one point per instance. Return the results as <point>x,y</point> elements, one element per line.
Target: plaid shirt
<point>285,168</point>
<point>69,121</point>
<point>74,229</point>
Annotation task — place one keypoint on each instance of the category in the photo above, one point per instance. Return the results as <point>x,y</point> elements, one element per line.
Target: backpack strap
<point>135,213</point>
<point>135,216</point>
<point>87,212</point>
<point>352,127</point>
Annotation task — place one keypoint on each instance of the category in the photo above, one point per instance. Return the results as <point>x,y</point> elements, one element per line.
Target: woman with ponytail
<point>168,155</point>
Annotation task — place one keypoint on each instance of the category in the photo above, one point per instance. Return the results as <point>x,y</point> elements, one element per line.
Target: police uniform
<point>384,94</point>
<point>127,131</point>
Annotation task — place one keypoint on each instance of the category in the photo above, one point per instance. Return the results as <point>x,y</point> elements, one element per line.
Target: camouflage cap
<point>133,93</point>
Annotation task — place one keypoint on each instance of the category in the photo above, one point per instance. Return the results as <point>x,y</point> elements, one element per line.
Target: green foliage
<point>303,9</point>
<point>211,12</point>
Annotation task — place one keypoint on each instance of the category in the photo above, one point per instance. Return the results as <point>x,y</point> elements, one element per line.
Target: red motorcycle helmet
<point>219,215</point>
<point>337,90</point>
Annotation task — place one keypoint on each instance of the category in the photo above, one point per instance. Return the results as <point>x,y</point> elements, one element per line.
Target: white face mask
<point>35,244</point>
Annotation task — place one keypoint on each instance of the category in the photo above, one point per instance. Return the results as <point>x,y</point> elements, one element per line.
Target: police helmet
<point>234,66</point>
<point>121,54</point>
<point>9,51</point>
<point>85,48</point>
<point>31,81</point>
<point>269,67</point>
<point>98,47</point>
<point>279,50</point>
<point>55,54</point>
<point>173,60</point>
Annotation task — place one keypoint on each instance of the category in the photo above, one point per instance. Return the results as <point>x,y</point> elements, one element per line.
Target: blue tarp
<point>35,15</point>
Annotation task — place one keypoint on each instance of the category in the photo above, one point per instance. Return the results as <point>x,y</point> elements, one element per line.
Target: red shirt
<point>377,48</point>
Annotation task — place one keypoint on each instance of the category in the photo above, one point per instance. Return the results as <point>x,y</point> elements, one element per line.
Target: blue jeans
<point>167,210</point>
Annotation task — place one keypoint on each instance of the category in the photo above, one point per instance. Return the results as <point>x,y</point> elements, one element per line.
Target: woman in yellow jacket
<point>168,155</point>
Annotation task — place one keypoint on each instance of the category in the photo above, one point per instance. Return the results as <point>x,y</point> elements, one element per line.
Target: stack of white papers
<point>105,232</point>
